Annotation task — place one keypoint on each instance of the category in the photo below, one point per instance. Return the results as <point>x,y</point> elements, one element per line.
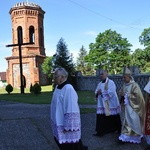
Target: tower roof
<point>30,4</point>
<point>26,5</point>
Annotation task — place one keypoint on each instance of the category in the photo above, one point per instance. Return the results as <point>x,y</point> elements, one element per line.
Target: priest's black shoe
<point>84,147</point>
<point>147,148</point>
<point>120,142</point>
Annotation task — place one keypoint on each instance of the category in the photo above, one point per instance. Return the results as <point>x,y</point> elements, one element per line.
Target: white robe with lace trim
<point>65,114</point>
<point>110,95</point>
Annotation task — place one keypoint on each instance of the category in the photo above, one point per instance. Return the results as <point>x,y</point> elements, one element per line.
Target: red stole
<point>147,119</point>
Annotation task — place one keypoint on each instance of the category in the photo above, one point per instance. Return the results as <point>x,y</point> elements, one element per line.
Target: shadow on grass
<point>31,98</point>
<point>84,97</point>
<point>45,98</point>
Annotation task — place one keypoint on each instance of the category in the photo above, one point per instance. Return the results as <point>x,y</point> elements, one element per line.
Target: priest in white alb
<point>65,114</point>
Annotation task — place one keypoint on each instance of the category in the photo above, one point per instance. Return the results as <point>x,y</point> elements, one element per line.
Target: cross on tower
<point>20,43</point>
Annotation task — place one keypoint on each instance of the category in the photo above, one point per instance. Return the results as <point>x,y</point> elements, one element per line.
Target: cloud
<point>92,33</point>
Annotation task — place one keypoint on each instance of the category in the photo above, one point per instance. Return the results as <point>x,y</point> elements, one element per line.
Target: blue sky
<point>79,22</point>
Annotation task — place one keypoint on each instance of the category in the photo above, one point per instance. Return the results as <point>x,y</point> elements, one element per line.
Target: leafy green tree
<point>147,66</point>
<point>118,59</point>
<point>110,51</point>
<point>147,53</point>
<point>97,55</point>
<point>145,37</point>
<point>141,58</point>
<point>63,58</point>
<point>82,65</point>
<point>138,59</point>
<point>47,66</point>
<point>145,40</point>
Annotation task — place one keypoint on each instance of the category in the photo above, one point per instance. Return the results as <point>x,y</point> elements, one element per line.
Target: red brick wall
<point>25,16</point>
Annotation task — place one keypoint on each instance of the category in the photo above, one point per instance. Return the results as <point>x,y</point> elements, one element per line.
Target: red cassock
<point>147,119</point>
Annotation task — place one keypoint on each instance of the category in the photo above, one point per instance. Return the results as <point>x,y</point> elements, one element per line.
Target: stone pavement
<point>27,127</point>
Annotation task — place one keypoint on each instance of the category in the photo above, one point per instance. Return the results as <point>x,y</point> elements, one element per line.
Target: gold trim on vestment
<point>107,111</point>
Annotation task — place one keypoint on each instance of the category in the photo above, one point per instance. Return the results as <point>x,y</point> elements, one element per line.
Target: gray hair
<point>61,72</point>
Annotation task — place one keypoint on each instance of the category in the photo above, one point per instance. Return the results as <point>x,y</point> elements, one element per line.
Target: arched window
<point>13,35</point>
<point>31,34</point>
<point>41,42</point>
<point>20,36</point>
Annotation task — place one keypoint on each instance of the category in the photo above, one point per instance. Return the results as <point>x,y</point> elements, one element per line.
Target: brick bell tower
<point>27,17</point>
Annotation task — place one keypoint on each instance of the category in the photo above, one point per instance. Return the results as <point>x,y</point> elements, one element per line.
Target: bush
<point>9,88</point>
<point>36,88</point>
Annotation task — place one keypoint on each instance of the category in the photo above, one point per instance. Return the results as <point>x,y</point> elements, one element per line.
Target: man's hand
<point>99,92</point>
<point>121,93</point>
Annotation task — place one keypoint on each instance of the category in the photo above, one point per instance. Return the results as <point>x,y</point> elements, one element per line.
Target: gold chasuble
<point>134,111</point>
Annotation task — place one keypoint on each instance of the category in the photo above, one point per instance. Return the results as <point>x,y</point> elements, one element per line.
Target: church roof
<point>25,4</point>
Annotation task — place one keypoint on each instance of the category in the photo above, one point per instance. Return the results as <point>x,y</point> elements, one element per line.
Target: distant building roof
<point>3,76</point>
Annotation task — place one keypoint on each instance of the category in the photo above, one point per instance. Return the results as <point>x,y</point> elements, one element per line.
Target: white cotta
<point>65,115</point>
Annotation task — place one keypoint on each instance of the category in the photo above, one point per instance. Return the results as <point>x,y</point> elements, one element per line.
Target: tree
<point>63,58</point>
<point>147,53</point>
<point>118,59</point>
<point>47,66</point>
<point>145,40</point>
<point>138,59</point>
<point>147,66</point>
<point>82,65</point>
<point>110,51</point>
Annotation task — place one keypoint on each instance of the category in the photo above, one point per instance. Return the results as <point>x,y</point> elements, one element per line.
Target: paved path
<point>27,127</point>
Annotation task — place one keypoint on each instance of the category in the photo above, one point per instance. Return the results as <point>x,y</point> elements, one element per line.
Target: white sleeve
<point>111,89</point>
<point>97,88</point>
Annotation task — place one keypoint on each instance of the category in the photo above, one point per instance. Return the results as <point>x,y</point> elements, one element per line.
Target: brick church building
<point>28,18</point>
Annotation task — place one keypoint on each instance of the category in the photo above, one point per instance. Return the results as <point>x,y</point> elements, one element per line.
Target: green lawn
<point>85,97</point>
<point>87,110</point>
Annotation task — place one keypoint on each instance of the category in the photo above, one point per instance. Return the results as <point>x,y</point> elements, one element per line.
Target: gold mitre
<point>126,71</point>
